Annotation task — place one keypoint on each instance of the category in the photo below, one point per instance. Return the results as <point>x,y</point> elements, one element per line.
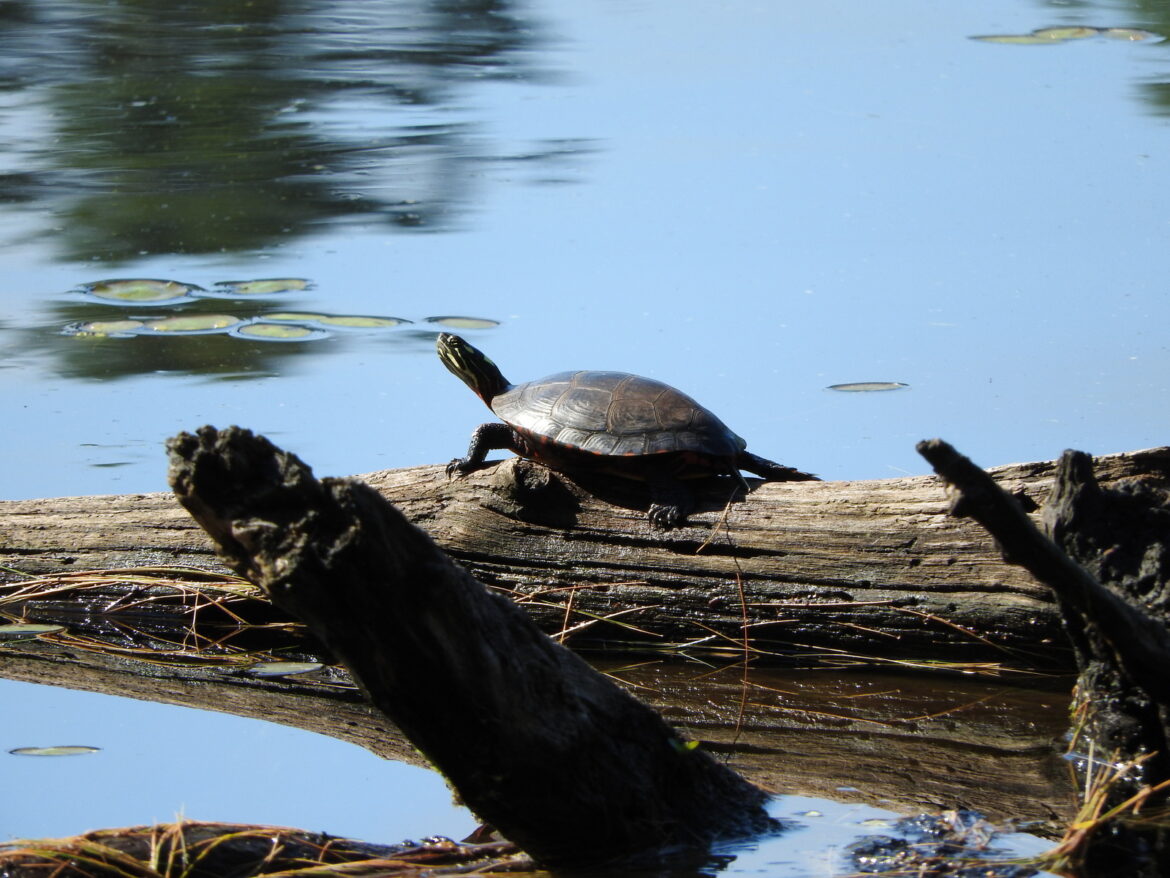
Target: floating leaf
<point>67,750</point>
<point>868,386</point>
<point>191,324</point>
<point>455,322</point>
<point>277,332</point>
<point>1051,35</point>
<point>335,321</point>
<point>25,630</point>
<point>283,669</point>
<point>262,287</point>
<point>1066,33</point>
<point>1018,39</point>
<point>293,317</point>
<point>140,291</point>
<point>359,322</point>
<point>1129,33</point>
<point>103,328</point>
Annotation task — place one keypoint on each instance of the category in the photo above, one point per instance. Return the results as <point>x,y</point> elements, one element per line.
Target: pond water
<point>753,201</point>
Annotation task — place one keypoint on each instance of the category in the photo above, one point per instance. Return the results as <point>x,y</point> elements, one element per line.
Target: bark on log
<point>1108,564</point>
<point>873,569</point>
<point>558,758</point>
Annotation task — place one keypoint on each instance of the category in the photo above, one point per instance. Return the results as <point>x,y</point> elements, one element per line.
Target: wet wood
<point>1106,556</point>
<point>875,570</point>
<point>550,752</point>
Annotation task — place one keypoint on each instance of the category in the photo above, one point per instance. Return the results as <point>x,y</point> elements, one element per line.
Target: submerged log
<point>853,571</point>
<point>558,758</point>
<point>907,742</point>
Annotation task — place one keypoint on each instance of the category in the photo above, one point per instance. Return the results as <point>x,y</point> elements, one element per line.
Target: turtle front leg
<point>771,471</point>
<point>487,437</point>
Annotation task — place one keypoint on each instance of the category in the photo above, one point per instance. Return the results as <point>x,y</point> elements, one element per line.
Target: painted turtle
<point>610,421</point>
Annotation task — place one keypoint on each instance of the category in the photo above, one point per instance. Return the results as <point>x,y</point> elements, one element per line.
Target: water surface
<point>751,201</point>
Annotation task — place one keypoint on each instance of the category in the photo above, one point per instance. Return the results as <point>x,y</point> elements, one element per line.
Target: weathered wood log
<point>1108,564</point>
<point>874,569</point>
<point>561,760</point>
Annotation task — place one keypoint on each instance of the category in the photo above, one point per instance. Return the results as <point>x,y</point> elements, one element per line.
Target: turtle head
<point>472,365</point>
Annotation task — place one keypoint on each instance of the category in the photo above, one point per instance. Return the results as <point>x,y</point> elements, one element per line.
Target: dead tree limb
<point>1108,564</point>
<point>558,758</point>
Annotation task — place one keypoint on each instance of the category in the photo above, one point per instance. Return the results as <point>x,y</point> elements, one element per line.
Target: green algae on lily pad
<point>867,386</point>
<point>28,630</point>
<point>140,291</point>
<point>457,322</point>
<point>262,287</point>
<point>104,328</point>
<point>190,324</point>
<point>66,750</point>
<point>265,331</point>
<point>283,669</point>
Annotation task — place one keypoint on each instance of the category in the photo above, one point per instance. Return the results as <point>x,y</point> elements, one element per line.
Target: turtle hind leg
<point>770,470</point>
<point>670,501</point>
<point>487,437</point>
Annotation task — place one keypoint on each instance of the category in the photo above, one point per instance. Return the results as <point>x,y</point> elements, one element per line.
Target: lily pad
<point>868,386</point>
<point>67,750</point>
<point>263,331</point>
<point>140,291</point>
<point>293,317</point>
<point>1066,33</point>
<point>1018,39</point>
<point>356,321</point>
<point>27,630</point>
<point>190,324</point>
<point>104,328</point>
<point>456,322</point>
<point>334,321</point>
<point>283,669</point>
<point>262,287</point>
<point>1132,34</point>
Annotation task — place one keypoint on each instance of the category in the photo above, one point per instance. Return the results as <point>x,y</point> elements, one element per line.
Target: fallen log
<point>558,758</point>
<point>851,571</point>
<point>1106,557</point>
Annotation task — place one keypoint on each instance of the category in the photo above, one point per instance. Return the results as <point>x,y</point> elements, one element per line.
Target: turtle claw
<point>458,467</point>
<point>665,516</point>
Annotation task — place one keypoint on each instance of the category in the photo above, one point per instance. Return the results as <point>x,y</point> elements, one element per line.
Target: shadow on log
<point>555,756</point>
<point>1108,564</point>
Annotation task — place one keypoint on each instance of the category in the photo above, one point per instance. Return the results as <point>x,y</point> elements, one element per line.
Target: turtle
<point>612,422</point>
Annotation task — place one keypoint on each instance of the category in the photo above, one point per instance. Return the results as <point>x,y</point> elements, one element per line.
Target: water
<point>752,201</point>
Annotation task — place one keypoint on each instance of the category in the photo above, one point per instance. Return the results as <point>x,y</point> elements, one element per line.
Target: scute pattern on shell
<point>614,413</point>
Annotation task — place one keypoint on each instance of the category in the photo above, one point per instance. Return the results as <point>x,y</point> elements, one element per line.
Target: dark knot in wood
<point>531,492</point>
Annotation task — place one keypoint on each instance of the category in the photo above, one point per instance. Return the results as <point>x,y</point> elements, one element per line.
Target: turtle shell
<point>614,414</point>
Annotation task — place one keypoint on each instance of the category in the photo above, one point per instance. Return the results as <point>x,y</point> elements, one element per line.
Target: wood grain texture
<point>876,569</point>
